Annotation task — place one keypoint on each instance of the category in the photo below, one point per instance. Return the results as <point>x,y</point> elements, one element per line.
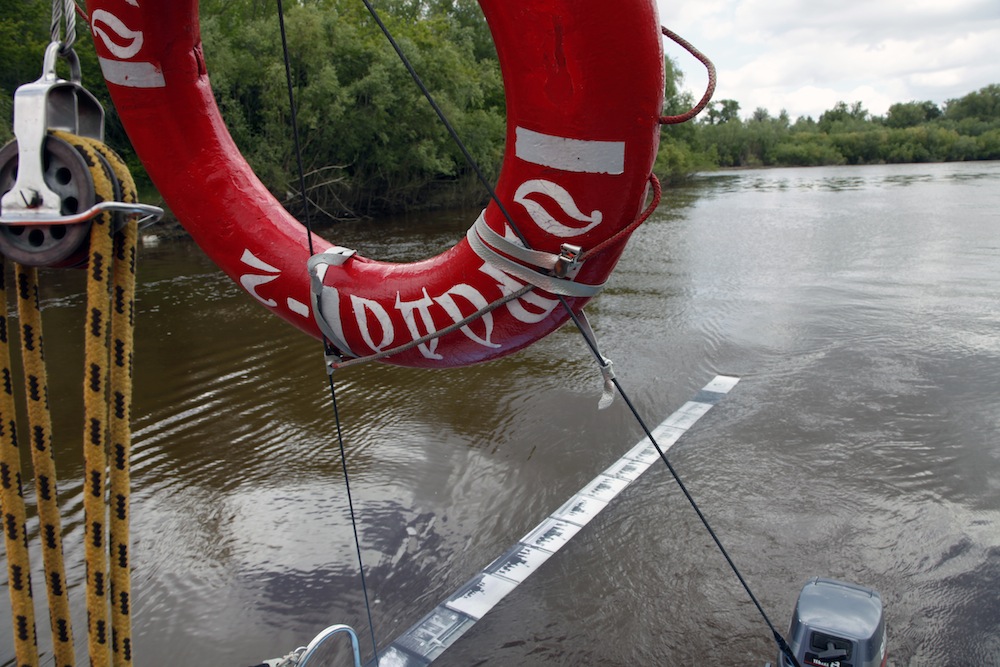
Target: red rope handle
<point>691,113</point>
<point>657,191</point>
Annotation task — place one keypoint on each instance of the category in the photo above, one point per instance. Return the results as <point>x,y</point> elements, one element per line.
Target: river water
<point>860,306</point>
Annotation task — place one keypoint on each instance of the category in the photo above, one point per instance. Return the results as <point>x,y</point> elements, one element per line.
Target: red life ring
<point>584,90</point>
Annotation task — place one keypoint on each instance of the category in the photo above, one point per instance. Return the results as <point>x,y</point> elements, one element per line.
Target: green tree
<point>722,111</point>
<point>988,145</point>
<point>843,118</point>
<point>984,104</point>
<point>677,159</point>
<point>371,142</point>
<point>6,117</point>
<point>807,149</point>
<point>909,114</point>
<point>766,133</point>
<point>864,146</point>
<point>24,34</point>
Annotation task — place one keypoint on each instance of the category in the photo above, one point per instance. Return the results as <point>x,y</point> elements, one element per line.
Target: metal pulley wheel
<point>67,174</point>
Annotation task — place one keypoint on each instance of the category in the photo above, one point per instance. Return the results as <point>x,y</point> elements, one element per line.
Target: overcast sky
<point>806,55</point>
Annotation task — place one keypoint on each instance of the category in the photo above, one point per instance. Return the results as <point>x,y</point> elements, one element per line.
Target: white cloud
<point>945,78</point>
<point>806,55</point>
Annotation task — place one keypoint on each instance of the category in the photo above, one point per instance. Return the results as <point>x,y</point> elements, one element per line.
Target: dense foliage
<point>372,144</point>
<point>967,128</point>
<point>370,140</point>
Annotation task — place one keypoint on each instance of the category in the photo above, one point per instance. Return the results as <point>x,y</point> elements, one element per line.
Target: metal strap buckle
<point>568,262</point>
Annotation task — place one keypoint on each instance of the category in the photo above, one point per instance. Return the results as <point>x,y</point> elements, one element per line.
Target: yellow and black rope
<point>40,439</point>
<point>95,406</point>
<point>107,440</point>
<point>120,394</point>
<point>12,503</point>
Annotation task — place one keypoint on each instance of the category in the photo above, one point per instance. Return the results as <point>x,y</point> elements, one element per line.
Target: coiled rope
<point>12,500</point>
<point>107,409</point>
<point>109,328</point>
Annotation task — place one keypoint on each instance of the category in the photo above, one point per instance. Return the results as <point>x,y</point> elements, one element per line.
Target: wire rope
<point>602,362</point>
<point>327,347</point>
<point>63,17</point>
<point>778,638</point>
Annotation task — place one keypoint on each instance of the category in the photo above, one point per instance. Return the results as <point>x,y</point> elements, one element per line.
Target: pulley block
<point>66,175</point>
<point>47,186</point>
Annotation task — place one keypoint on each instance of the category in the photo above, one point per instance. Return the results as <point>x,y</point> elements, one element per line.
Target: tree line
<point>966,128</point>
<point>372,145</point>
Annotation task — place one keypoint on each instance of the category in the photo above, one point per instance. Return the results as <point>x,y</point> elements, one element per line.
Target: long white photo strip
<point>425,641</point>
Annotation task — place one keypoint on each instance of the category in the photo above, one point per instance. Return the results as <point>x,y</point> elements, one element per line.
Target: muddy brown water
<point>859,305</point>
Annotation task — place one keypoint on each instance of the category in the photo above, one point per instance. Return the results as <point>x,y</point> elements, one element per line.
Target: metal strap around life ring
<point>337,256</point>
<point>488,249</point>
<point>498,251</point>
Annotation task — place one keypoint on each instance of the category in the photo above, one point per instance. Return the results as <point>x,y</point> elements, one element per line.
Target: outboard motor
<point>837,624</point>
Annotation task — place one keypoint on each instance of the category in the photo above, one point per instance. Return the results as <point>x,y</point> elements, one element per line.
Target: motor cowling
<point>837,624</point>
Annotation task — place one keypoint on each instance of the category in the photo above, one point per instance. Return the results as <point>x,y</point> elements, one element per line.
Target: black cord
<point>350,503</point>
<point>471,161</point>
<point>327,347</point>
<point>295,126</point>
<point>779,639</point>
<point>782,644</point>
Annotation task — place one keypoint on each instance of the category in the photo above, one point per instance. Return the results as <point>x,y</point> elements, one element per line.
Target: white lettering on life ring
<point>251,281</point>
<point>567,204</point>
<point>131,40</point>
<point>473,296</point>
<point>132,75</point>
<point>374,321</point>
<point>297,307</point>
<point>362,307</point>
<point>508,284</point>
<point>408,310</point>
<point>126,44</point>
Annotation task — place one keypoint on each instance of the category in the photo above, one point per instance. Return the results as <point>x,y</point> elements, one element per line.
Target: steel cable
<point>328,349</point>
<point>780,641</point>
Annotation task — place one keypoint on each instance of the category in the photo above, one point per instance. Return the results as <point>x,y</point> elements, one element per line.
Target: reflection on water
<point>859,304</point>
